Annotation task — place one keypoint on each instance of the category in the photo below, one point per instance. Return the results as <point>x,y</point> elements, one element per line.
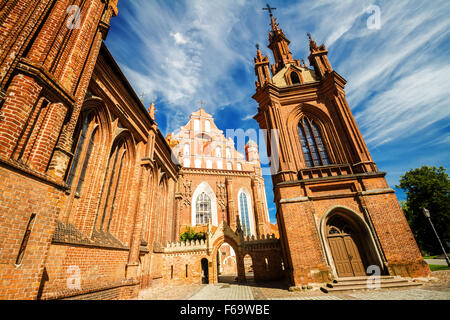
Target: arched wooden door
<point>343,240</point>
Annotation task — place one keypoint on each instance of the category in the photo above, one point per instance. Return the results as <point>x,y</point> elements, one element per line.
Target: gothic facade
<point>219,183</point>
<point>93,197</point>
<point>92,200</point>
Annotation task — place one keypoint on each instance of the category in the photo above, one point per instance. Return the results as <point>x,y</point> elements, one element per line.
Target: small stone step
<point>360,278</point>
<point>364,282</point>
<point>364,287</point>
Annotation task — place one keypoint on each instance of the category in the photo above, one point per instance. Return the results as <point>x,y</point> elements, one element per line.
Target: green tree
<point>427,187</point>
<point>190,235</point>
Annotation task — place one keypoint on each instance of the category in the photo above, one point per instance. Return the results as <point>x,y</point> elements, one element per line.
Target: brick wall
<point>21,196</point>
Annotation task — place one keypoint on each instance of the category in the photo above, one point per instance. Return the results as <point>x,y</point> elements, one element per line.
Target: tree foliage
<point>190,235</point>
<point>427,187</point>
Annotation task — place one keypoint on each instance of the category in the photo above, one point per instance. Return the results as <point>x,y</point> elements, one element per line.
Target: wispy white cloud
<point>413,103</point>
<point>398,76</point>
<point>189,50</point>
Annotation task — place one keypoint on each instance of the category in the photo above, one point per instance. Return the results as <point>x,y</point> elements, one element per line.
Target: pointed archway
<point>349,243</point>
<point>225,235</point>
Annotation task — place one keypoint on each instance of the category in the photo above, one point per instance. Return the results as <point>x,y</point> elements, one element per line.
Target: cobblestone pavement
<point>170,292</point>
<point>439,289</point>
<point>410,294</point>
<point>224,291</point>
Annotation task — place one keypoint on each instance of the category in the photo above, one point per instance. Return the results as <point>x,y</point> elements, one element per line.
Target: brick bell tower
<point>336,213</point>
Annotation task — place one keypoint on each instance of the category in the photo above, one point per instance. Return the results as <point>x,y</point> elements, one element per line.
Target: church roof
<point>201,113</point>
<point>308,75</point>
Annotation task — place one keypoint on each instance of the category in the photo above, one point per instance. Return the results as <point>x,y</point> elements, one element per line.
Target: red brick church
<point>93,200</point>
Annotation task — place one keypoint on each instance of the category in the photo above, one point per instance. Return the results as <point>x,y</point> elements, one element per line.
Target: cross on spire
<point>273,21</point>
<point>268,8</point>
<point>202,103</point>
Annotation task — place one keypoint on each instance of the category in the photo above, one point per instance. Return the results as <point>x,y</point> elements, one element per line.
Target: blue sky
<point>180,52</point>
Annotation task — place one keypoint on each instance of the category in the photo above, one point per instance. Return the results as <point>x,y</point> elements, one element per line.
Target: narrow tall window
<point>218,152</point>
<point>196,125</point>
<point>244,214</point>
<point>86,163</point>
<point>116,163</point>
<point>203,209</point>
<point>79,147</point>
<point>25,239</point>
<point>186,150</point>
<point>228,151</point>
<point>313,147</point>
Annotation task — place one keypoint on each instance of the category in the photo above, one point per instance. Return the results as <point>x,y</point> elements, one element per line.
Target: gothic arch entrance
<point>349,243</point>
<point>343,240</point>
<point>226,264</point>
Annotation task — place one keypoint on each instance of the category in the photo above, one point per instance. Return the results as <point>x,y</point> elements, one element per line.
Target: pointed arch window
<point>203,209</point>
<point>82,131</point>
<point>243,203</point>
<point>113,177</point>
<point>313,148</point>
<point>86,162</point>
<point>295,78</point>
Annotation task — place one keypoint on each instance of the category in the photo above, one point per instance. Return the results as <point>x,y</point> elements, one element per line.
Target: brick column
<point>230,203</point>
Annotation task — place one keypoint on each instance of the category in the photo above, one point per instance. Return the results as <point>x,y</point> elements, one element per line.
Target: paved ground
<point>439,289</point>
<point>224,291</point>
<point>439,262</point>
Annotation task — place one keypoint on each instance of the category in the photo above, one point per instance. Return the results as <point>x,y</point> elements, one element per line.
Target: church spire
<point>262,70</point>
<point>279,44</point>
<point>318,58</point>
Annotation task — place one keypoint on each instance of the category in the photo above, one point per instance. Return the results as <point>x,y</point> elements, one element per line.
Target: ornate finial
<point>312,44</point>
<point>152,110</point>
<point>202,104</point>
<point>257,46</point>
<point>142,97</point>
<point>171,141</point>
